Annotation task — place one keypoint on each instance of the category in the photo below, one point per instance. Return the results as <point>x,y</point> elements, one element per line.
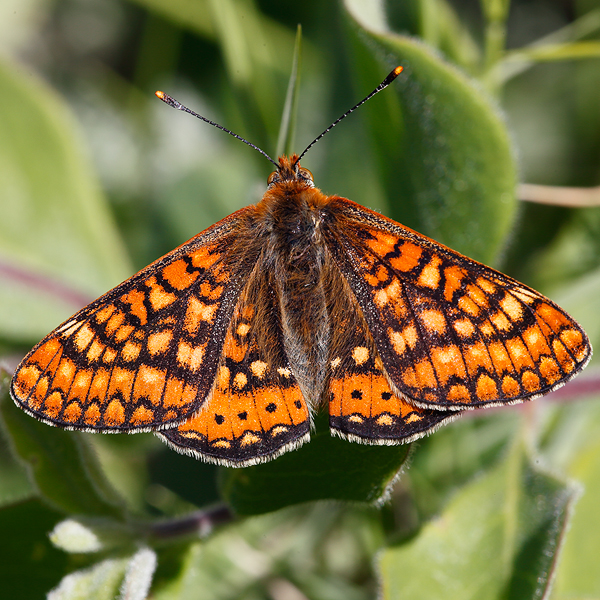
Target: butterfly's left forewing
<point>143,356</point>
<point>451,332</point>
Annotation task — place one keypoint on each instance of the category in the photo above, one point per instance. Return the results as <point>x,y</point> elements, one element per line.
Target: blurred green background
<point>98,178</point>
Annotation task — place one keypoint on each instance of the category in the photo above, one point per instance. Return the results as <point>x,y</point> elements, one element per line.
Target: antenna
<point>175,104</point>
<point>378,89</point>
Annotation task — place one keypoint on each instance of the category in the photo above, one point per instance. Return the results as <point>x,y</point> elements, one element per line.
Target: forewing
<point>256,410</point>
<point>451,332</point>
<point>144,355</point>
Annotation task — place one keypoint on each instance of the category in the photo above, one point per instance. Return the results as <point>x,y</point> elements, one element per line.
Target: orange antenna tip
<point>398,70</point>
<point>160,95</point>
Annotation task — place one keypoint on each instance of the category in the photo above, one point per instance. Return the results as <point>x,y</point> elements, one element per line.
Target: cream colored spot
<point>467,305</point>
<point>130,351</point>
<point>464,328</point>
<point>278,429</point>
<point>66,370</point>
<point>413,417</point>
<point>249,438</point>
<point>223,377</point>
<point>410,336</point>
<point>447,354</point>
<point>500,321</point>
<point>383,296</point>
<point>109,355</point>
<point>159,298</point>
<point>190,356</point>
<point>83,337</point>
<point>512,307</point>
<point>243,329</point>
<point>284,371</point>
<point>355,419</point>
<point>360,354</point>
<point>240,380</point>
<point>533,337</point>
<point>430,275</point>
<point>222,444</point>
<point>258,368</point>
<point>434,321</point>
<point>517,350</point>
<point>198,312</point>
<point>385,420</point>
<point>150,375</point>
<point>159,342</point>
<point>523,296</point>
<point>68,328</point>
<point>486,285</point>
<point>397,340</point>
<point>336,362</point>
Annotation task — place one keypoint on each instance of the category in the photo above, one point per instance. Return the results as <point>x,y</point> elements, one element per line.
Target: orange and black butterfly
<point>230,343</point>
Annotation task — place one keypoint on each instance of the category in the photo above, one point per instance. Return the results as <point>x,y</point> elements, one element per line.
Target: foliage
<point>97,174</point>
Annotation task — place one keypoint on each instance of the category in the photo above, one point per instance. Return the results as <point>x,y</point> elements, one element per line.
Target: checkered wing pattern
<point>451,332</point>
<point>256,410</point>
<point>143,356</point>
<point>362,405</point>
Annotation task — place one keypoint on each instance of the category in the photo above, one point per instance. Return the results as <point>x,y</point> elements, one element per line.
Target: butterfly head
<point>290,171</point>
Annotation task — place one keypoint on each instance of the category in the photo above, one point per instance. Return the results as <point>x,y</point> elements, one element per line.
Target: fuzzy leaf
<point>325,468</point>
<point>496,539</point>
<point>58,243</point>
<point>444,153</point>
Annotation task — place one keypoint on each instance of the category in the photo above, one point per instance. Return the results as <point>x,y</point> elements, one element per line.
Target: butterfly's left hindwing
<point>451,332</point>
<point>143,356</point>
<point>256,410</point>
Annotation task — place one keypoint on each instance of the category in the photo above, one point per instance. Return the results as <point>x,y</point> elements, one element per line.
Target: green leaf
<point>457,453</point>
<point>578,575</point>
<point>60,462</point>
<point>443,151</point>
<point>571,444</point>
<point>58,244</point>
<point>325,468</point>
<point>441,27</point>
<point>29,564</point>
<point>287,129</point>
<point>496,539</point>
<point>518,61</point>
<point>256,53</point>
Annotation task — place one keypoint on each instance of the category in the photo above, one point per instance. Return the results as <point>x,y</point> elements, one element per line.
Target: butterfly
<point>228,345</point>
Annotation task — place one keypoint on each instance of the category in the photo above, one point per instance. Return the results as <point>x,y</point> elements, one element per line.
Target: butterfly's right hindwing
<point>143,356</point>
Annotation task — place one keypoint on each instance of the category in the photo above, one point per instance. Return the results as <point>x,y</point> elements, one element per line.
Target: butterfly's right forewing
<point>143,356</point>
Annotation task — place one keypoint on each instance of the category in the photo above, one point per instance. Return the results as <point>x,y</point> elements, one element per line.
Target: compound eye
<point>305,174</point>
<point>272,177</point>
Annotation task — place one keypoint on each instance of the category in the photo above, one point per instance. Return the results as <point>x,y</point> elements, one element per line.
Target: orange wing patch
<point>362,405</point>
<point>452,333</point>
<point>144,355</point>
<point>256,410</point>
